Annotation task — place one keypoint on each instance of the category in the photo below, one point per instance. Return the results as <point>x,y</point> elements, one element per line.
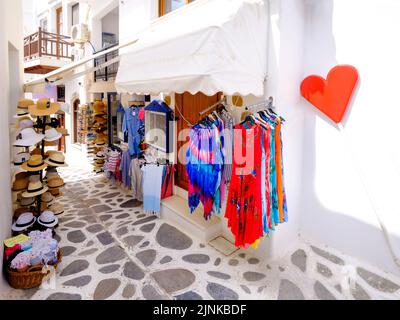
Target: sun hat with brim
<point>24,103</point>
<point>44,107</point>
<point>47,219</point>
<point>23,123</point>
<point>34,177</point>
<point>36,151</point>
<point>56,192</point>
<point>52,175</point>
<point>20,184</point>
<point>21,157</point>
<point>99,113</point>
<point>28,137</point>
<point>55,183</point>
<point>100,155</point>
<point>56,159</point>
<point>100,143</point>
<point>52,135</point>
<point>98,106</point>
<point>57,208</point>
<point>23,222</point>
<point>35,188</point>
<point>27,202</point>
<point>20,211</point>
<point>35,163</point>
<point>47,197</point>
<point>21,113</point>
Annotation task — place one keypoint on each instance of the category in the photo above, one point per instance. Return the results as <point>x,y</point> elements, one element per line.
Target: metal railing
<point>43,43</point>
<point>110,71</point>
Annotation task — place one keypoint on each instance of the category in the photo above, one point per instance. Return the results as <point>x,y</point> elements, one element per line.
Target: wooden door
<point>190,106</point>
<point>59,20</point>
<point>59,29</point>
<point>61,143</point>
<point>75,116</point>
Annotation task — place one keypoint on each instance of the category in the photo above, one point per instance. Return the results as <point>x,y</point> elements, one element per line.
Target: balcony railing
<point>43,43</point>
<point>110,71</point>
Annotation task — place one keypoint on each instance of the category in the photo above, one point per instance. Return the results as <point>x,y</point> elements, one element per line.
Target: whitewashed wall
<point>10,91</point>
<point>335,206</point>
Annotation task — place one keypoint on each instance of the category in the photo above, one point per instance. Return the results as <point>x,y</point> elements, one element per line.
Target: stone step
<point>175,209</point>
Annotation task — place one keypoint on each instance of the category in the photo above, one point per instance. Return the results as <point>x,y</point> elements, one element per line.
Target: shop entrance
<point>190,106</point>
<point>75,115</point>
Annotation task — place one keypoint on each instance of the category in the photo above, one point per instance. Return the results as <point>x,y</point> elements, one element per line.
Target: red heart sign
<point>331,96</point>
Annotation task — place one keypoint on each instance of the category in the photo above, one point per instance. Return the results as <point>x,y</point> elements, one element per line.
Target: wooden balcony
<point>45,52</point>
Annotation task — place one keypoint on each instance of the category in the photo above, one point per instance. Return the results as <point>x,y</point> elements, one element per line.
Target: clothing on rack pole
<point>152,183</point>
<point>136,175</point>
<point>132,125</point>
<point>257,197</point>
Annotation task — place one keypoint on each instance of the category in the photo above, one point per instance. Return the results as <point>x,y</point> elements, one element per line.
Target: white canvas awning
<point>208,46</point>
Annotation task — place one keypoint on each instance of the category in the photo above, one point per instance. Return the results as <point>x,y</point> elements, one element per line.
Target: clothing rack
<point>268,103</point>
<point>222,101</point>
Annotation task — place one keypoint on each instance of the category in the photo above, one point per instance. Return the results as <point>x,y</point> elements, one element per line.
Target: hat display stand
<point>34,275</point>
<point>98,136</point>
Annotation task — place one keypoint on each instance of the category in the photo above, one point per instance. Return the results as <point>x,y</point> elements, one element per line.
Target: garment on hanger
<point>125,169</point>
<point>205,165</point>
<point>152,183</point>
<point>167,181</point>
<point>113,158</point>
<point>134,127</point>
<point>136,179</point>
<point>257,199</point>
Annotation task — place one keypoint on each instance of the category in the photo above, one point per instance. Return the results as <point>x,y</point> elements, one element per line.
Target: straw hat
<point>24,103</point>
<point>100,155</point>
<point>28,137</point>
<point>99,121</point>
<point>100,143</point>
<point>34,177</point>
<point>37,151</point>
<point>20,158</point>
<point>35,188</point>
<point>35,163</point>
<point>27,202</point>
<point>20,211</point>
<point>47,219</point>
<point>57,209</point>
<point>20,183</point>
<point>21,113</point>
<point>55,183</point>
<point>56,159</point>
<point>52,135</point>
<point>23,222</point>
<point>24,122</point>
<point>56,192</point>
<point>43,107</point>
<point>47,197</point>
<point>98,107</point>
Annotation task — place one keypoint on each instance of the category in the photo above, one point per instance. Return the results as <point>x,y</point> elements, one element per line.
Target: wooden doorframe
<point>190,110</point>
<point>75,111</point>
<point>59,12</point>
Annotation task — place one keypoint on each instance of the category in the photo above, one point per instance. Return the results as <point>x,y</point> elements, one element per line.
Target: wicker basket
<point>31,278</point>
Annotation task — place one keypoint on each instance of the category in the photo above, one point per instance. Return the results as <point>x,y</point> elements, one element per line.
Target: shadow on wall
<point>327,187</point>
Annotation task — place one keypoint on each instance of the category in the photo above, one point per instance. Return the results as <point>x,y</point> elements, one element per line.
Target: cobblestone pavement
<point>112,250</point>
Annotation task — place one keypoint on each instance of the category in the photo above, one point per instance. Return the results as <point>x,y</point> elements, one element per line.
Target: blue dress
<point>132,124</point>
